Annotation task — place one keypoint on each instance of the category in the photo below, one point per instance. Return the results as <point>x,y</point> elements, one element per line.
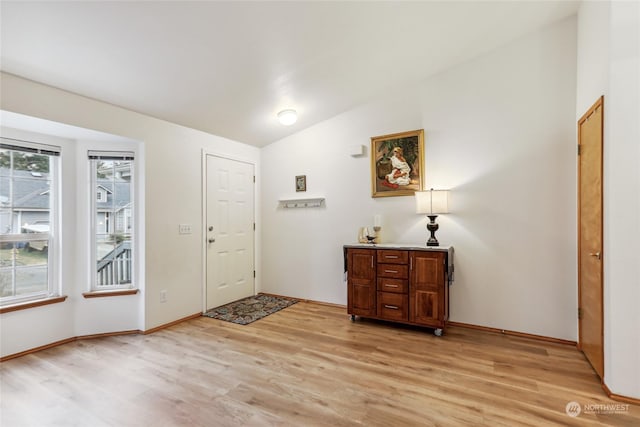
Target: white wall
<point>593,55</point>
<point>609,65</point>
<point>500,132</point>
<point>173,195</point>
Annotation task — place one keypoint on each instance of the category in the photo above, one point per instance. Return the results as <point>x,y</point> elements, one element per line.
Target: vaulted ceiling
<point>227,68</point>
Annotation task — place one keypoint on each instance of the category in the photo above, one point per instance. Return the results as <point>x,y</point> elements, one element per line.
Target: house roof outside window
<point>31,191</point>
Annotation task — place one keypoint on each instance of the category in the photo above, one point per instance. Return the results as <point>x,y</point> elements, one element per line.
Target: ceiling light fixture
<point>287,117</point>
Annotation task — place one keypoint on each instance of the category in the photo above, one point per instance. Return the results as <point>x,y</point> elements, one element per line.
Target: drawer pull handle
<point>390,286</point>
<point>392,307</point>
<point>391,271</point>
<point>391,256</point>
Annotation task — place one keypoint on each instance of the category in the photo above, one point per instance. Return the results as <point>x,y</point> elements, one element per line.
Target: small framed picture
<point>301,183</point>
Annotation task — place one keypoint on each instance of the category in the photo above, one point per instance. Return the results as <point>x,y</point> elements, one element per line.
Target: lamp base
<point>432,227</point>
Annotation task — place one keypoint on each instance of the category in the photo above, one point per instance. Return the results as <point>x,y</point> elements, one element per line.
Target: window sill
<point>111,293</point>
<point>31,304</point>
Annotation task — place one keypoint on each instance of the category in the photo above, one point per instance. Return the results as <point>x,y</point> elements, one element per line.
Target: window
<point>112,234</point>
<point>28,220</point>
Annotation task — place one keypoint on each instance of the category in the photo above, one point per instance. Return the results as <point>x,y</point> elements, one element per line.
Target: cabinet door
<point>428,304</point>
<point>361,282</point>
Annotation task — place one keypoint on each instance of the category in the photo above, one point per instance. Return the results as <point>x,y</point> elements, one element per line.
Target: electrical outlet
<point>184,229</point>
<point>163,296</point>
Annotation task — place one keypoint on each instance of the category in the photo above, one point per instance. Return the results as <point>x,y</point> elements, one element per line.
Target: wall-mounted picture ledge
<point>302,203</point>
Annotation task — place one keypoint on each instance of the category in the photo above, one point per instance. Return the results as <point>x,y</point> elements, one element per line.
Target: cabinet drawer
<point>395,271</point>
<point>393,257</point>
<point>393,306</point>
<point>398,286</point>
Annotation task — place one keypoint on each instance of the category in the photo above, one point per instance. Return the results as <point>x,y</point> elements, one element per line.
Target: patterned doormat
<point>250,309</point>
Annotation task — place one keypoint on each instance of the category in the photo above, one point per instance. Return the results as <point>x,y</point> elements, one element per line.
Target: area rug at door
<point>250,309</point>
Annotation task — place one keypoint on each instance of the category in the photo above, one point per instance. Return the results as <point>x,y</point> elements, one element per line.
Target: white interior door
<point>229,230</point>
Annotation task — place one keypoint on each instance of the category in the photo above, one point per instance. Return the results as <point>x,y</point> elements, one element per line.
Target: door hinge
<point>254,226</point>
<point>254,274</point>
<point>254,178</point>
<point>578,149</point>
<point>579,313</point>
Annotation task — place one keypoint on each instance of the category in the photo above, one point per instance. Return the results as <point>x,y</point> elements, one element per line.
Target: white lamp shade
<point>287,117</point>
<point>432,202</point>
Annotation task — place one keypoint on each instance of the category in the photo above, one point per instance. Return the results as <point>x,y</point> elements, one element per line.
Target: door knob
<point>211,240</point>
<point>595,254</point>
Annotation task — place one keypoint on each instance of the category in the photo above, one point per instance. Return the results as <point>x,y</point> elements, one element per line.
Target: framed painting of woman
<point>397,164</point>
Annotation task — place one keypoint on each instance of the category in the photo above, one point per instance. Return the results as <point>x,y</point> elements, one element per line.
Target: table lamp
<point>432,203</point>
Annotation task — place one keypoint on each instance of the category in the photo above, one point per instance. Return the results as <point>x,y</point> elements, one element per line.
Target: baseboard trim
<point>37,349</point>
<point>168,325</point>
<point>619,397</point>
<point>92,336</point>
<point>514,333</point>
<point>108,334</point>
<point>66,341</point>
<point>328,304</point>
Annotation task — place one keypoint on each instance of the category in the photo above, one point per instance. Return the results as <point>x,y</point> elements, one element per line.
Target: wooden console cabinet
<point>399,283</point>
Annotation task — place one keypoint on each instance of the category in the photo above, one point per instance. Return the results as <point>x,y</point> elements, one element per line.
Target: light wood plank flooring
<point>307,365</point>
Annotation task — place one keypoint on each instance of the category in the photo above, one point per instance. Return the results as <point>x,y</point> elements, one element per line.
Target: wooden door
<point>590,272</point>
<point>361,282</point>
<point>229,231</point>
<point>426,284</point>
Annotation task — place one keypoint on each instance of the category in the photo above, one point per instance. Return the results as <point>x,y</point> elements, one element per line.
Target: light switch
<point>184,229</point>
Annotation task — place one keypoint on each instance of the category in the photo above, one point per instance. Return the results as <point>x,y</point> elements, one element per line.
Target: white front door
<point>229,230</point>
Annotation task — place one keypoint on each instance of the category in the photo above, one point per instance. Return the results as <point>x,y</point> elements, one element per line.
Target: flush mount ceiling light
<point>287,117</point>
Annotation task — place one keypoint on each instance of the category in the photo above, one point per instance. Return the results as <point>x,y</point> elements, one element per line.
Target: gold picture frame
<point>397,164</point>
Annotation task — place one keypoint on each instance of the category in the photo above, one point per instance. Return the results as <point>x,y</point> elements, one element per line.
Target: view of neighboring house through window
<point>28,218</point>
<point>112,228</point>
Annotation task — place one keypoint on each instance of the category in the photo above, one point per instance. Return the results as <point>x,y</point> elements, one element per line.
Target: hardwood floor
<point>307,365</point>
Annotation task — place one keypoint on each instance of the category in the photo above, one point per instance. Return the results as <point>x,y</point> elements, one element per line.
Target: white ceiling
<point>227,68</point>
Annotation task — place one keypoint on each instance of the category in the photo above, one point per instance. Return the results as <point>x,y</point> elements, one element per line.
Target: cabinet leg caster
<point>437,332</point>
<point>353,317</point>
